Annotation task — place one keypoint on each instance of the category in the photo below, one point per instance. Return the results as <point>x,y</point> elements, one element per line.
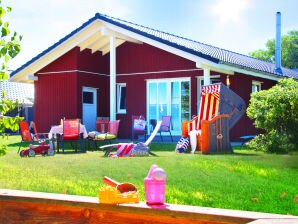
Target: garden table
<point>58,129</point>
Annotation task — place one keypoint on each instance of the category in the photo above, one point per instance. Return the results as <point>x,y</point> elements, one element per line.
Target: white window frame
<point>168,82</point>
<point>256,86</point>
<point>119,92</point>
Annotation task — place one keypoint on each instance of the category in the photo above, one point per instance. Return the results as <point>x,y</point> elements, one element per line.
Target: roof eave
<point>252,72</point>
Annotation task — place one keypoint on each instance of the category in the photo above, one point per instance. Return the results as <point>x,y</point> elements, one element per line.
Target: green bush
<point>275,111</point>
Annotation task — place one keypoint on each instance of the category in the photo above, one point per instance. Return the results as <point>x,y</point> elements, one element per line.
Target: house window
<point>88,97</point>
<point>169,97</point>
<point>121,98</point>
<point>256,86</point>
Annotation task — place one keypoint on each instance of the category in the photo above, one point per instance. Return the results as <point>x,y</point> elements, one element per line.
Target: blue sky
<point>238,25</point>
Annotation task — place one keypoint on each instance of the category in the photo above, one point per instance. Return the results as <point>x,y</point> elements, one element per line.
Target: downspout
<point>278,44</point>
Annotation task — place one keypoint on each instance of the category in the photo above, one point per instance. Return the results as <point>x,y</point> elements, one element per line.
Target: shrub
<point>275,111</point>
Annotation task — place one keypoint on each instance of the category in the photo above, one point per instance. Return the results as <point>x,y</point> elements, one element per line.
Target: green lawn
<point>245,180</point>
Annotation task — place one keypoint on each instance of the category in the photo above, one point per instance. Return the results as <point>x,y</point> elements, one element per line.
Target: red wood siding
<point>56,94</point>
<point>103,87</point>
<point>60,95</point>
<point>66,62</point>
<point>94,63</point>
<point>55,97</point>
<point>242,85</point>
<point>142,58</point>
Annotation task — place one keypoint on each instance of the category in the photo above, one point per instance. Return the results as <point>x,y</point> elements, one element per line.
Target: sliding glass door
<point>169,97</point>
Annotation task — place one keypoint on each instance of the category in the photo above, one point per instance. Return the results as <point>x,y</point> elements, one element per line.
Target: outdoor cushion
<point>105,136</point>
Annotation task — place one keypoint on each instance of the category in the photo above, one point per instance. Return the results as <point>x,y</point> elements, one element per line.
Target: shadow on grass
<point>245,154</point>
<point>69,152</point>
<point>17,145</point>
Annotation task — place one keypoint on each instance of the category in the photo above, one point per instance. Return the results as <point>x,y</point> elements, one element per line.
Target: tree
<point>289,49</point>
<point>9,48</point>
<point>275,111</point>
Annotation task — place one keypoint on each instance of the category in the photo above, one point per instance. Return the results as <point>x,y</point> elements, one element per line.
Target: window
<point>121,98</point>
<point>256,86</point>
<point>169,97</point>
<point>88,97</point>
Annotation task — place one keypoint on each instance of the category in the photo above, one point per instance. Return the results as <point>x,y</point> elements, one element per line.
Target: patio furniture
<point>220,109</point>
<point>71,133</point>
<point>106,131</point>
<point>27,136</point>
<point>108,148</point>
<point>165,126</point>
<point>102,125</point>
<point>138,126</point>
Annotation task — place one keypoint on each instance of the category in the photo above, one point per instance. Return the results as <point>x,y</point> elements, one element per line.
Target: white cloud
<point>229,10</point>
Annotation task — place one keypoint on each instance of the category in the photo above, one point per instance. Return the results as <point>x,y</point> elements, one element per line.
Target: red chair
<point>102,125</point>
<point>30,134</point>
<point>107,131</point>
<point>137,130</point>
<point>71,133</point>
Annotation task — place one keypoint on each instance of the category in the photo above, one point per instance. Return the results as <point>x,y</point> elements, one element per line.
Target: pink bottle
<point>155,183</point>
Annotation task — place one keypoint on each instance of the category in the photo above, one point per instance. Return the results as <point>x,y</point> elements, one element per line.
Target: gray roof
<point>208,52</point>
<point>23,92</point>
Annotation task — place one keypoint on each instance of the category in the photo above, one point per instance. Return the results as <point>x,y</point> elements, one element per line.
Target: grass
<point>245,180</point>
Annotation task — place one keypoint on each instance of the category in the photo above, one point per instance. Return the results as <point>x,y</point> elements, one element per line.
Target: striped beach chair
<point>220,109</point>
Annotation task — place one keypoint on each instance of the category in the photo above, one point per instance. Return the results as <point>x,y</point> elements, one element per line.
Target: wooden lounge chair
<point>108,148</point>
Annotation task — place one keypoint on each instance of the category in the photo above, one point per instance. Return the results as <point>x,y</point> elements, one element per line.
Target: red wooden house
<point>113,68</point>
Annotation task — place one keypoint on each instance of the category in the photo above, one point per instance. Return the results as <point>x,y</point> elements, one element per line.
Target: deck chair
<point>108,148</point>
<point>29,134</point>
<point>107,131</point>
<point>165,126</point>
<point>220,109</point>
<point>102,125</point>
<point>71,133</point>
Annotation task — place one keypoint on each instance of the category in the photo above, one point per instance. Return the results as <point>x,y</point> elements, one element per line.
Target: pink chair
<point>165,126</point>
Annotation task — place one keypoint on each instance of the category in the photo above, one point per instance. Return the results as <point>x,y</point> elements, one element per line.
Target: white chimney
<point>278,44</point>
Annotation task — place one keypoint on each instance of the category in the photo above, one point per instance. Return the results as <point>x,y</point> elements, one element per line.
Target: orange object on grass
<point>110,195</point>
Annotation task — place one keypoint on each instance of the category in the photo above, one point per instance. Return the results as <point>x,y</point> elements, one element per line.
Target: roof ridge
<point>185,38</point>
<point>207,51</point>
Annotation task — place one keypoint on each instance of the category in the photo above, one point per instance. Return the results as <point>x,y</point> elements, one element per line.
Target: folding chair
<point>165,126</point>
<point>108,148</point>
